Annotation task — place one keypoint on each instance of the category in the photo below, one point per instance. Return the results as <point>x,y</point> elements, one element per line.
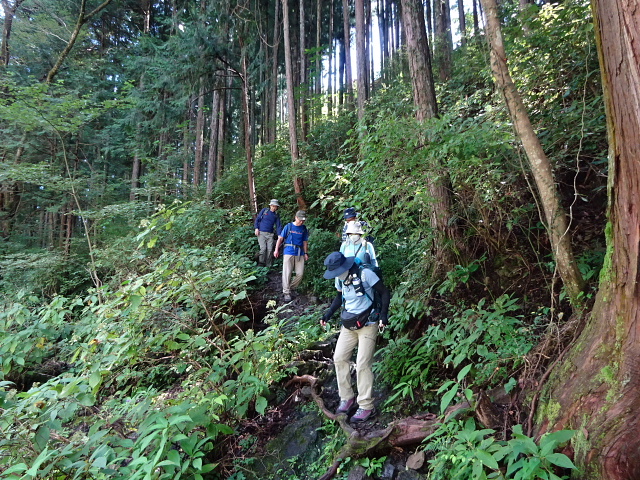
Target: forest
<point>491,148</point>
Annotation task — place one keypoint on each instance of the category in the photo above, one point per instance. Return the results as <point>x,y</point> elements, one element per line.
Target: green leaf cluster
<point>462,451</point>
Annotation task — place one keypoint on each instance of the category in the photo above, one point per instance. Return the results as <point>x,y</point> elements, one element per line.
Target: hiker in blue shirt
<point>357,246</point>
<point>295,236</point>
<point>267,223</point>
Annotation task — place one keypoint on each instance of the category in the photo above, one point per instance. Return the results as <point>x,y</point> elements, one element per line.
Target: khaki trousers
<point>365,340</point>
<point>265,240</point>
<point>290,264</point>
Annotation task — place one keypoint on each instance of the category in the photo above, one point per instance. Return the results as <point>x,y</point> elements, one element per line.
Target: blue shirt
<point>266,220</point>
<point>294,238</point>
<point>352,302</point>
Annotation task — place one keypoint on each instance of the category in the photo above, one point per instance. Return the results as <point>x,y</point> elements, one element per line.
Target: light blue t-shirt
<point>352,302</point>
<point>363,251</point>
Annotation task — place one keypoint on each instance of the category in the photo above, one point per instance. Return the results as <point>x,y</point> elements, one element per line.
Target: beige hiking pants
<point>365,340</point>
<point>290,264</point>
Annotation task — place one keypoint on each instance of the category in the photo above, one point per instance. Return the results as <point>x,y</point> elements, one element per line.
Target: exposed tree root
<point>403,432</point>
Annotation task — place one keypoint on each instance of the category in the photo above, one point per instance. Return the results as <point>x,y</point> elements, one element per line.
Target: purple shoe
<point>345,406</point>
<point>363,415</point>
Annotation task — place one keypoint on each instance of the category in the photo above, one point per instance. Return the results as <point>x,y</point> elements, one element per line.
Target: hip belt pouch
<point>354,321</point>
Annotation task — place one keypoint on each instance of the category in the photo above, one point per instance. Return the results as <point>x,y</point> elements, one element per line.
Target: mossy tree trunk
<point>596,390</point>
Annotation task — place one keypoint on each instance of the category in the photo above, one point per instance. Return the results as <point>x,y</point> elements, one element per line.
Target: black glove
<point>384,320</point>
<point>326,317</point>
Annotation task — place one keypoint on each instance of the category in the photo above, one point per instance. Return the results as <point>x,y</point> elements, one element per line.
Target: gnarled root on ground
<point>402,432</point>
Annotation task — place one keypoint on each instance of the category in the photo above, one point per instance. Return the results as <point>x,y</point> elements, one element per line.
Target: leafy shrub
<point>487,341</point>
<point>464,452</point>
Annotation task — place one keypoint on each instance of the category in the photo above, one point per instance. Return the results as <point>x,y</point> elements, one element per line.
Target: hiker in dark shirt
<point>267,223</point>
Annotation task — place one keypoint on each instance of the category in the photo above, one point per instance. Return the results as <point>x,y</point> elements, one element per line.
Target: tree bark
<point>462,21</point>
<point>213,142</point>
<point>222,130</point>
<point>303,84</point>
<point>332,63</point>
<point>419,57</point>
<point>426,107</point>
<point>273,103</point>
<point>9,14</point>
<point>136,168</point>
<point>555,217</point>
<point>346,24</point>
<point>318,82</point>
<point>248,146</point>
<point>444,42</point>
<point>595,390</point>
<point>367,48</point>
<point>361,58</point>
<point>476,23</point>
<point>186,141</point>
<point>199,134</point>
<point>293,134</point>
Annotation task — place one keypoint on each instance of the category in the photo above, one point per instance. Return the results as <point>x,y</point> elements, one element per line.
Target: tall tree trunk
<point>383,36</point>
<point>462,21</point>
<point>318,83</point>
<point>273,103</point>
<point>555,217</point>
<point>213,141</point>
<point>199,135</point>
<point>476,22</point>
<point>304,120</point>
<point>223,110</point>
<point>429,16</point>
<point>367,46</point>
<point>424,96</point>
<point>10,191</point>
<point>595,390</point>
<point>186,141</point>
<point>9,14</point>
<point>341,74</point>
<point>444,42</point>
<point>293,134</point>
<point>136,168</point>
<point>398,31</point>
<point>248,145</point>
<point>346,24</point>
<point>135,175</point>
<point>361,58</point>
<point>332,63</point>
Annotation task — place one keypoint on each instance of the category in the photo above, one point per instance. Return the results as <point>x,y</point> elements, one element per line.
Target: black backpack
<point>374,316</point>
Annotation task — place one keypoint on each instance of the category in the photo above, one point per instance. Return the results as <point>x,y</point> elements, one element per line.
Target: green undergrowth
<point>151,375</point>
<point>487,342</point>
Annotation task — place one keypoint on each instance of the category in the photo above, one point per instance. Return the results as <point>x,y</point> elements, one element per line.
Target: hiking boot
<point>345,406</point>
<point>287,297</point>
<point>363,415</point>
